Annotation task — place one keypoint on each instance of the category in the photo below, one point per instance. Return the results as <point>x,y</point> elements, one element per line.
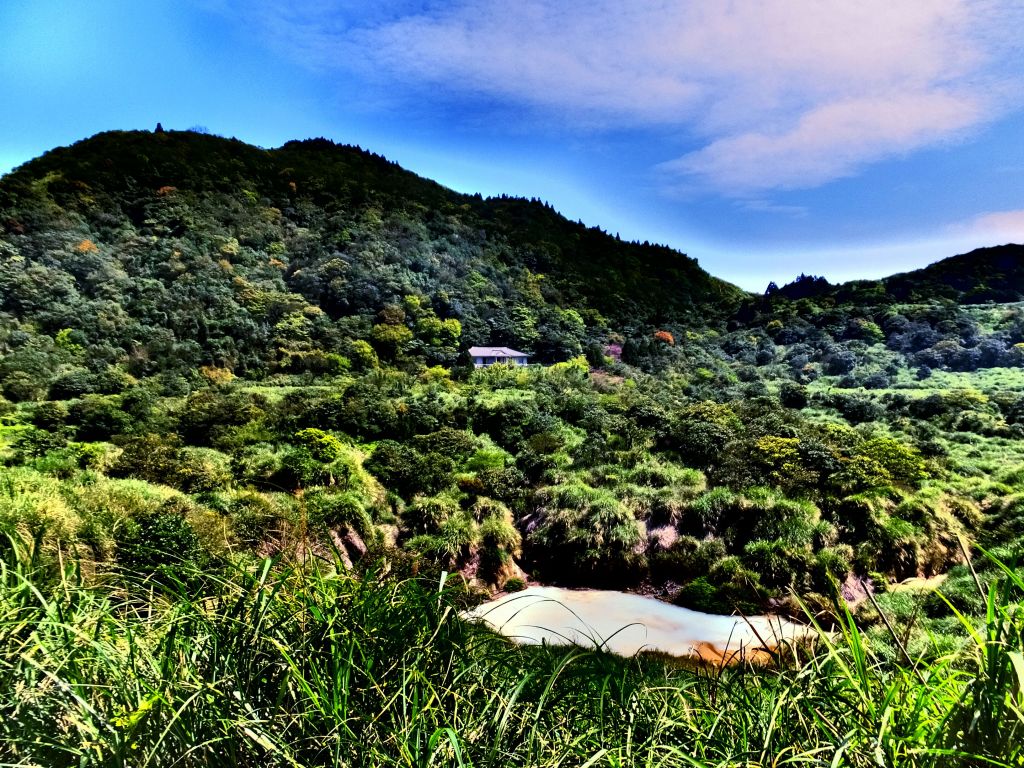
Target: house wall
<point>481,362</point>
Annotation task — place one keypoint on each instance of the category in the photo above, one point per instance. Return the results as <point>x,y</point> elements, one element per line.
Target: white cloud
<point>771,93</point>
<point>995,228</point>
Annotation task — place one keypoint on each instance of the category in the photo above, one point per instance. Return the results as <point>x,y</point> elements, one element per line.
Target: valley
<point>242,438</point>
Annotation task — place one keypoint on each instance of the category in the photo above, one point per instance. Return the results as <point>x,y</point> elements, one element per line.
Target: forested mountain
<point>171,250</point>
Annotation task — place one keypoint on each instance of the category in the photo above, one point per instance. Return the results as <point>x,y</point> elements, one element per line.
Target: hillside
<point>981,276</point>
<point>178,250</point>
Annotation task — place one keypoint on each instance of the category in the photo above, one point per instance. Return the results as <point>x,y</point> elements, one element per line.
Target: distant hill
<point>208,251</point>
<point>981,276</point>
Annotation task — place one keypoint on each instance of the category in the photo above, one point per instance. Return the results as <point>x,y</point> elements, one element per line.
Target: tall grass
<point>308,666</point>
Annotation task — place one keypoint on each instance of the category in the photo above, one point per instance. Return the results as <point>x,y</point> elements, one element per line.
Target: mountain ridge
<point>992,274</point>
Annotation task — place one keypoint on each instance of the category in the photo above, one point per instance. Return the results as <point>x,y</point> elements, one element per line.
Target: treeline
<point>939,334</point>
<point>983,276</point>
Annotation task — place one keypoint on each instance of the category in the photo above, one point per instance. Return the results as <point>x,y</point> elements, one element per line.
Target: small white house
<point>484,356</point>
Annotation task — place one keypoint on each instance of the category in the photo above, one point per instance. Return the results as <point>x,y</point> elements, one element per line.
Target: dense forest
<point>227,371</point>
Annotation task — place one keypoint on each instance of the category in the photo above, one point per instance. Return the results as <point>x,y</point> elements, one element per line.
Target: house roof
<point>495,352</point>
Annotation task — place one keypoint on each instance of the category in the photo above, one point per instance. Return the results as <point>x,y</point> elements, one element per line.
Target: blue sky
<point>763,137</point>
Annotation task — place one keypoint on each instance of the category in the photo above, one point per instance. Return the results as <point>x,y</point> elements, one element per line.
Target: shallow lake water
<point>626,624</point>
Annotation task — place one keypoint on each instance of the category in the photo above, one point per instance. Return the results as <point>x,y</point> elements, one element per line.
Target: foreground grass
<point>309,666</point>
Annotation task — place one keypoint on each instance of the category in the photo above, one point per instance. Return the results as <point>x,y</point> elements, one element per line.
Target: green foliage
<point>427,514</point>
<point>322,447</point>
<point>151,457</point>
<point>408,471</point>
<point>246,327</point>
<point>900,461</point>
<point>515,585</point>
<point>202,470</point>
<point>364,357</point>
<point>332,509</point>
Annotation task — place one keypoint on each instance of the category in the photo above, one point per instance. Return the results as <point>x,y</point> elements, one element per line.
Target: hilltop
<point>174,250</point>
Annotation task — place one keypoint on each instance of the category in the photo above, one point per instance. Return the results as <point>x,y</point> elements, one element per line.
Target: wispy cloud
<point>766,206</point>
<point>770,94</point>
<point>831,141</point>
<point>996,227</point>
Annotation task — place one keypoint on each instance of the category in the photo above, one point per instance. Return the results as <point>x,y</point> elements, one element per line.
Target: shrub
<point>32,443</point>
<point>498,532</point>
<point>793,395</point>
<point>777,564</point>
<point>257,465</point>
<point>99,418</point>
<point>327,509</point>
<point>453,443</point>
<point>426,514</point>
<point>201,470</point>
<point>707,513</point>
<point>902,462</point>
<point>407,471</point>
<point>586,534</point>
<point>49,416</point>
<point>161,545</point>
<point>149,457</point>
<point>255,517</point>
<point>301,467</point>
<point>700,595</point>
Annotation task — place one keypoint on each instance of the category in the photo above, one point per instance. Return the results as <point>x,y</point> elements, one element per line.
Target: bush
<point>300,468</point>
<point>257,465</point>
<point>99,418</point>
<point>256,518</point>
<point>201,470</point>
<point>325,510</point>
<point>515,584</point>
<point>793,395</point>
<point>700,595</point>
<point>586,534</point>
<point>877,380</point>
<point>426,514</point>
<point>151,457</point>
<point>72,385</point>
<point>322,446</point>
<point>161,545</point>
<point>405,470</point>
<point>49,416</point>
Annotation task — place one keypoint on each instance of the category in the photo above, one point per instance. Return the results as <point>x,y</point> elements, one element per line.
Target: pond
<point>626,624</point>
